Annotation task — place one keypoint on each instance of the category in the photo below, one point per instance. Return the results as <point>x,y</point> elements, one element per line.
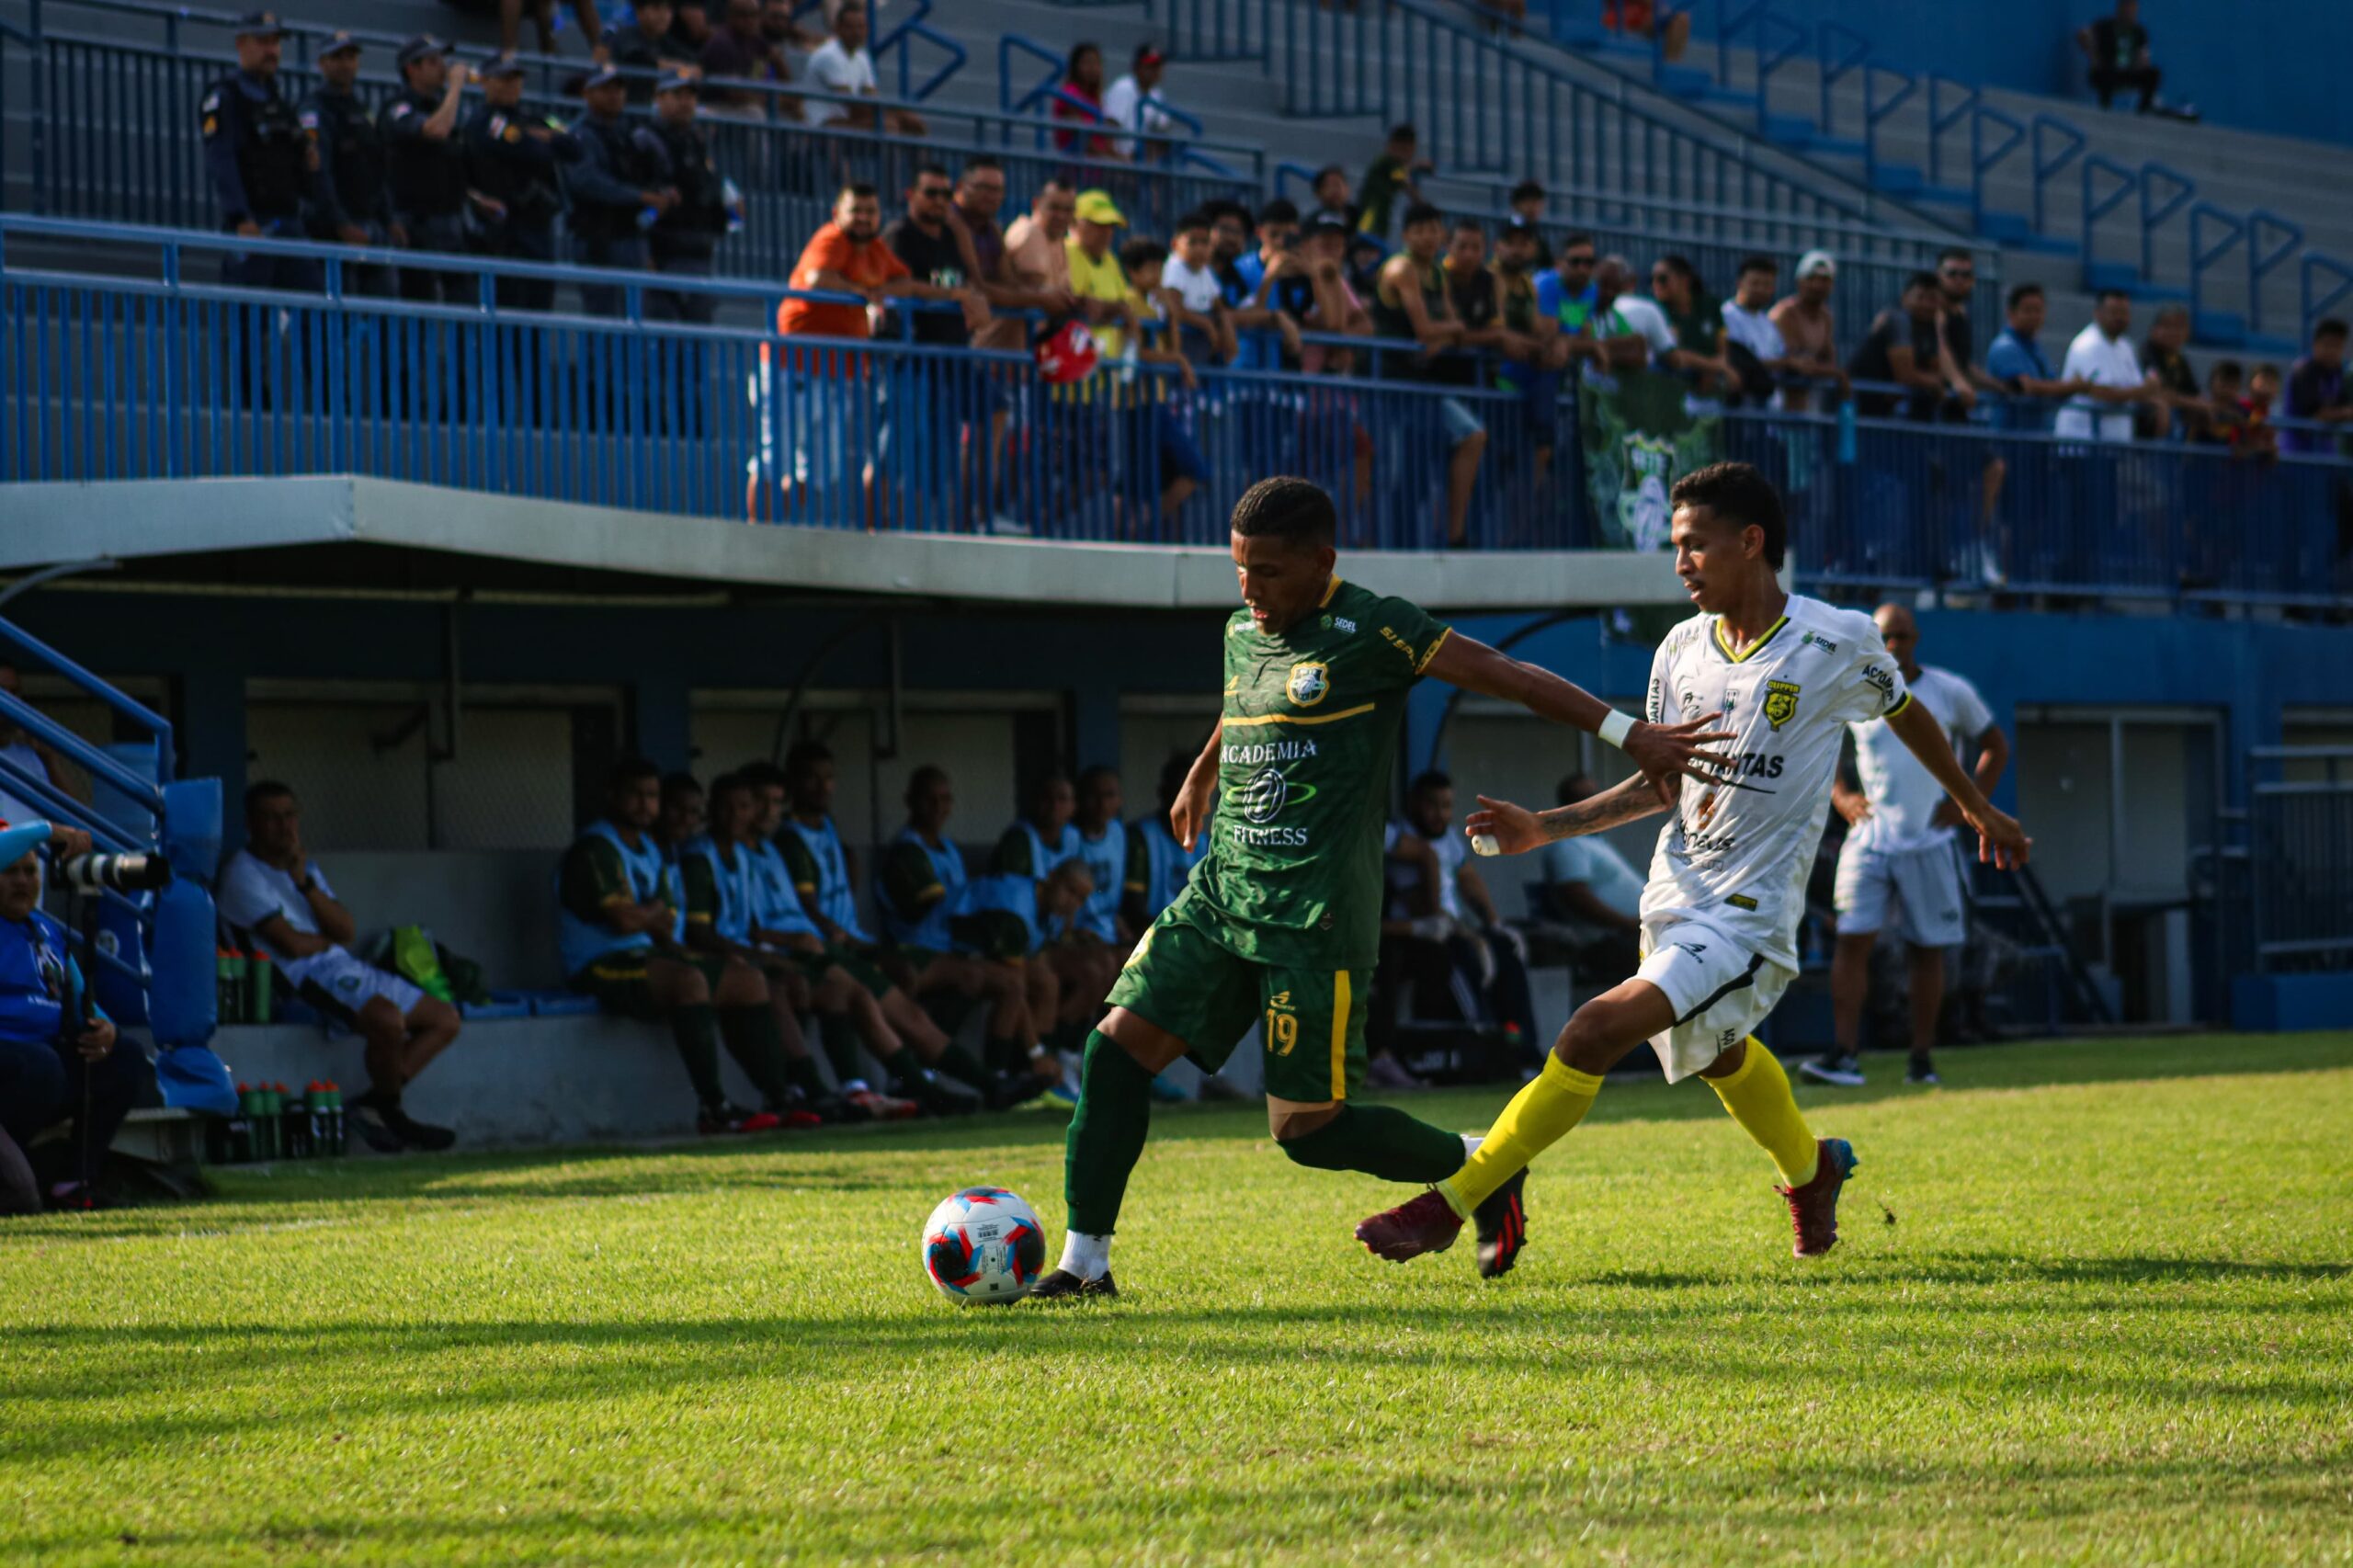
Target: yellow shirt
<point>1105,279</point>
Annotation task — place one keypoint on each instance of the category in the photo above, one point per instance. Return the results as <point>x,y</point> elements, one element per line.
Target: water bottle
<point>335,1117</point>
<point>648,216</point>
<point>315,1105</point>
<point>1846,432</point>
<point>265,1123</point>
<point>230,978</point>
<point>260,978</point>
<point>241,1127</point>
<point>732,197</point>
<point>290,1115</point>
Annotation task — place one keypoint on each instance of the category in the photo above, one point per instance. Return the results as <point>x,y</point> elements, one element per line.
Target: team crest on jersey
<point>1781,701</point>
<point>1308,685</point>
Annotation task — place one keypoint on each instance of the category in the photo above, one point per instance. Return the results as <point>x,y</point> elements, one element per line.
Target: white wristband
<point>1615,727</point>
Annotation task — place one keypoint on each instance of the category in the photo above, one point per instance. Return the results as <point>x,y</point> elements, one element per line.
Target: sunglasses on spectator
<point>1577,261</point>
<point>934,192</point>
<point>1960,272</point>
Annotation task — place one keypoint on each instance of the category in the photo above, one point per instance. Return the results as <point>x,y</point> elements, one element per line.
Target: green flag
<point>1640,436</point>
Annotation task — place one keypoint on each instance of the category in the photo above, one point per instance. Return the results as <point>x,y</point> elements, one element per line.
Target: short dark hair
<point>2021,292</point>
<point>628,770</point>
<point>1421,212</point>
<point>760,773</point>
<point>2330,327</point>
<point>1680,265</point>
<point>1956,252</point>
<point>726,784</point>
<point>682,783</point>
<point>2230,368</point>
<point>266,789</point>
<point>1467,224</point>
<point>1099,770</point>
<point>1580,238</point>
<point>1281,209</point>
<point>1741,494</point>
<point>857,190</point>
<point>1288,507</point>
<point>1425,782</point>
<point>932,171</point>
<point>1526,190</point>
<point>1403,133</point>
<point>1326,172</point>
<point>1226,207</point>
<point>1923,278</point>
<point>1198,218</point>
<point>923,779</point>
<point>1142,253</point>
<point>2105,295</point>
<point>983,161</point>
<point>1749,264</point>
<point>803,756</point>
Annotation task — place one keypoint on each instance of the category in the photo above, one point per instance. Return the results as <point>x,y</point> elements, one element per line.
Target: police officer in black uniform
<point>512,156</point>
<point>682,239</point>
<point>425,168</point>
<point>642,49</point>
<point>260,163</point>
<point>351,202</point>
<point>614,183</point>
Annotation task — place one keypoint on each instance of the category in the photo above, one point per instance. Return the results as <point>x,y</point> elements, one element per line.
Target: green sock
<point>1380,1140</point>
<point>757,1044</point>
<point>1106,1135</point>
<point>695,1029</point>
<point>960,1063</point>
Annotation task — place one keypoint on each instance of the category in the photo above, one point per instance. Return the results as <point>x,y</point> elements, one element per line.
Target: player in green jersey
<point>1279,926</point>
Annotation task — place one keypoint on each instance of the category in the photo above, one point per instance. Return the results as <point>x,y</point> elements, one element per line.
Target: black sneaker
<point>1501,1221</point>
<point>415,1133</point>
<point>367,1112</point>
<point>1062,1285</point>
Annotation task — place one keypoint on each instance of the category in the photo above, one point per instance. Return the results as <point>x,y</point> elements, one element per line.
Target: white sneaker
<point>1989,567</point>
<point>1845,1072</point>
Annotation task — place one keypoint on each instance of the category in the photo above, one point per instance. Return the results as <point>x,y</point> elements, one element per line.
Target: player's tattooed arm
<point>1664,752</point>
<point>1516,830</point>
<point>1191,811</point>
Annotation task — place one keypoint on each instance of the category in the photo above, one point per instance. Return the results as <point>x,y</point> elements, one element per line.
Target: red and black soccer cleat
<point>1427,1223</point>
<point>1813,1208</point>
<point>1502,1223</point>
<point>724,1117</point>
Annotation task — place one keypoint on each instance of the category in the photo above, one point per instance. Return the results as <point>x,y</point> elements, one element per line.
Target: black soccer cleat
<point>1062,1285</point>
<point>1501,1221</point>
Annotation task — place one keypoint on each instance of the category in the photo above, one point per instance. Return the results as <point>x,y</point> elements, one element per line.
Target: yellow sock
<point>1760,1099</point>
<point>1537,1117</point>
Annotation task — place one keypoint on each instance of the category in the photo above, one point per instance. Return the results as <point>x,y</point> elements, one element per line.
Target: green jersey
<point>1312,720</point>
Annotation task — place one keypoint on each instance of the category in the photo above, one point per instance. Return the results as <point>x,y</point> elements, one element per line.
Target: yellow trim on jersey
<point>1329,589</point>
<point>1443,634</point>
<point>1340,1000</point>
<point>1233,723</point>
<point>1722,643</point>
<point>1899,707</point>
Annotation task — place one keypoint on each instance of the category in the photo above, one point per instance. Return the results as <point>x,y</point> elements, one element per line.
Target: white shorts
<point>1930,910</point>
<point>1720,991</point>
<point>338,985</point>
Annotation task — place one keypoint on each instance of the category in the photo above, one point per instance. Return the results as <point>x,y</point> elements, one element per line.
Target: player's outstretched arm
<point>1192,806</point>
<point>2000,839</point>
<point>1514,830</point>
<point>1664,752</point>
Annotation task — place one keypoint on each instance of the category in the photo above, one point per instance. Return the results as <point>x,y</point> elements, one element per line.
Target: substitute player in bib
<point>1727,883</point>
<point>1279,926</point>
<point>1899,867</point>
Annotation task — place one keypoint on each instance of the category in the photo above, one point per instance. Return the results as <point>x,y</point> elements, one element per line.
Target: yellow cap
<point>1096,207</point>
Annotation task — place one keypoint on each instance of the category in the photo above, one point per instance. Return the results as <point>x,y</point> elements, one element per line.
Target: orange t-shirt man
<point>867,263</point>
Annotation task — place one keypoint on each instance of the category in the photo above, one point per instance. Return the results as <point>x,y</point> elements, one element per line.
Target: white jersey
<point>1738,851</point>
<point>1903,793</point>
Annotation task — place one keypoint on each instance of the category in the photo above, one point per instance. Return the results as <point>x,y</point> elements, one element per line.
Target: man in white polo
<point>273,888</point>
<point>2101,357</point>
<point>1901,865</point>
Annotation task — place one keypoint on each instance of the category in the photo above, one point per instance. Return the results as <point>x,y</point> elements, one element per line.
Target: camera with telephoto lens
<point>122,873</point>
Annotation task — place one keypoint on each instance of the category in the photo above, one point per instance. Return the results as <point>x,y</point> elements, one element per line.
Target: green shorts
<point>619,984</point>
<point>1183,980</point>
<point>856,965</point>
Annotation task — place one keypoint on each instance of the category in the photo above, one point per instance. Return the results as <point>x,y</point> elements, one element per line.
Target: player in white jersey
<point>1727,884</point>
<point>1899,866</point>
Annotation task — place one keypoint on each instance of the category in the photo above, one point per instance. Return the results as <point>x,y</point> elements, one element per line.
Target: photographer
<point>274,889</point>
<point>59,1054</point>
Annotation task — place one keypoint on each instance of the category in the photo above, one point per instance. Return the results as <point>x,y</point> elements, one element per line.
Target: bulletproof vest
<point>353,150</point>
<point>627,162</point>
<point>429,178</point>
<point>507,164</point>
<point>272,157</point>
<point>694,225</point>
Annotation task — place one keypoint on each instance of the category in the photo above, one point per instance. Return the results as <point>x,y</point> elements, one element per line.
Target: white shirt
<point>1755,331</point>
<point>1199,288</point>
<point>1450,847</point>
<point>837,71</point>
<point>2103,362</point>
<point>1903,793</point>
<point>1594,862</point>
<point>1128,106</point>
<point>250,892</point>
<point>1737,852</point>
<point>1631,316</point>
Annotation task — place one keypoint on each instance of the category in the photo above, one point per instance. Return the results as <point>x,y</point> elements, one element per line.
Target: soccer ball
<point>984,1245</point>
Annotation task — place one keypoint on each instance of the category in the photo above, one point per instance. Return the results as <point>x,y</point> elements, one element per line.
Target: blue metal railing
<point>2155,210</point>
<point>1983,159</point>
<point>2317,266</point>
<point>2048,166</point>
<point>155,376</point>
<point>2204,252</point>
<point>1838,52</point>
<point>900,40</point>
<point>2094,207</point>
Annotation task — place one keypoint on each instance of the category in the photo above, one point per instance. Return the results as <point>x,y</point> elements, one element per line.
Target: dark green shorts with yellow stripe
<point>617,981</point>
<point>854,964</point>
<point>1183,980</point>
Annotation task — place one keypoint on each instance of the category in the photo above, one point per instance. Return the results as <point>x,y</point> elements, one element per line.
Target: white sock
<point>1471,1141</point>
<point>1086,1256</point>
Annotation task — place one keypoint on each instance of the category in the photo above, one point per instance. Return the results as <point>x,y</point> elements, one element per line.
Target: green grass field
<point>2110,1321</point>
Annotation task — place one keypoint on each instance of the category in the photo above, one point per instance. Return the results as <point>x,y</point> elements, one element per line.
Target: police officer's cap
<point>502,65</point>
<point>679,81</point>
<point>342,43</point>
<point>260,24</point>
<point>424,46</point>
<point>603,76</point>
